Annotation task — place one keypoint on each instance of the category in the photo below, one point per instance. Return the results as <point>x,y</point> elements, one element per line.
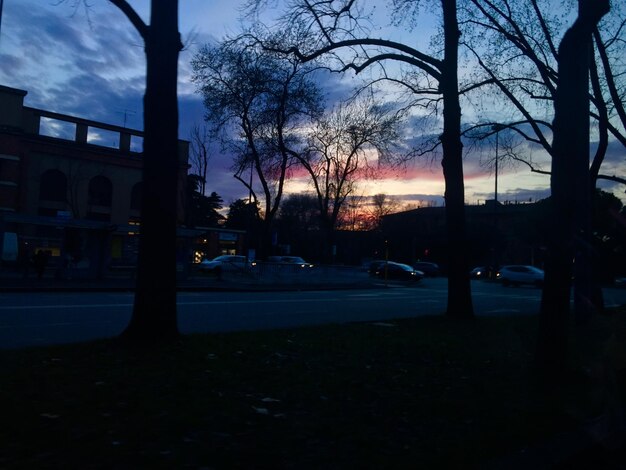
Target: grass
<point>424,392</point>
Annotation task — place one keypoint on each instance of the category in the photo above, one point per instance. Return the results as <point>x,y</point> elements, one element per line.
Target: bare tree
<point>336,154</point>
<point>257,103</point>
<point>337,31</point>
<point>352,215</point>
<point>200,142</point>
<point>382,205</point>
<point>570,172</point>
<point>514,47</point>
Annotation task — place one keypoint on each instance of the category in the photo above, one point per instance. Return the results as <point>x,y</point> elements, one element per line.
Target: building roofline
<point>15,91</point>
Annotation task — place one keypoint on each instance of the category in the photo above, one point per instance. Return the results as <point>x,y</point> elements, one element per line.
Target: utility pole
<point>495,261</point>
<point>496,128</point>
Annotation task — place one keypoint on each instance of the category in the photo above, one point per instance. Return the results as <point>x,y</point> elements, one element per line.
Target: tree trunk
<point>569,185</point>
<point>459,291</point>
<point>154,313</point>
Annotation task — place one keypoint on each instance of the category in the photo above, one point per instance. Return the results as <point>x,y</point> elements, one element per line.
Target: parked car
<point>479,272</point>
<point>224,263</point>
<point>398,271</point>
<point>429,269</point>
<point>514,275</point>
<point>374,265</point>
<point>290,260</point>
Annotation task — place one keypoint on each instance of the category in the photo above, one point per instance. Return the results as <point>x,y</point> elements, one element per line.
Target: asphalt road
<point>28,319</point>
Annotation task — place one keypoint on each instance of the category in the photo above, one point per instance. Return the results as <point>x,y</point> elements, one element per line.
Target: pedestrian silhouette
<point>40,260</point>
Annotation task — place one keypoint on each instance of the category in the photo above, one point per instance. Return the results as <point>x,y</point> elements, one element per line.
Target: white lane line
<point>203,302</point>
<point>61,307</point>
<point>206,302</point>
<point>46,325</point>
<point>503,310</point>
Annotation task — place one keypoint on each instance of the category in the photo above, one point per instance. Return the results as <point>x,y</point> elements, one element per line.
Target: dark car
<point>479,272</point>
<point>398,271</point>
<point>429,269</point>
<point>223,263</point>
<point>374,265</point>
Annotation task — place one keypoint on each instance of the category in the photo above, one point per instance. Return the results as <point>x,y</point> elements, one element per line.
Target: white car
<point>290,260</point>
<point>224,263</point>
<point>514,275</point>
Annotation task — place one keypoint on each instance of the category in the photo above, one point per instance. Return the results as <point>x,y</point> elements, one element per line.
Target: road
<point>29,319</point>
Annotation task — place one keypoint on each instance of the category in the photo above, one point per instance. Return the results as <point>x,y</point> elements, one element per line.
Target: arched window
<point>53,186</point>
<point>135,197</point>
<point>100,191</point>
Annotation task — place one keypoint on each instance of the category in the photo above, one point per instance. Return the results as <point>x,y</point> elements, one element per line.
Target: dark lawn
<point>415,393</point>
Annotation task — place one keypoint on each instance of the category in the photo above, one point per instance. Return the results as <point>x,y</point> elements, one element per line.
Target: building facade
<point>71,187</point>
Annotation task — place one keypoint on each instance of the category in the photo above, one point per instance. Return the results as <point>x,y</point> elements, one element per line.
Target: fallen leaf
<point>261,411</point>
<point>269,400</point>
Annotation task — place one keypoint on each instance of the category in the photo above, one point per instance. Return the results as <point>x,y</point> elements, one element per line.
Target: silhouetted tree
<point>199,148</point>
<point>335,157</point>
<point>243,215</point>
<point>570,172</point>
<point>154,311</point>
<point>514,46</point>
<point>299,224</point>
<point>334,30</point>
<point>381,205</point>
<point>256,102</point>
<point>202,211</point>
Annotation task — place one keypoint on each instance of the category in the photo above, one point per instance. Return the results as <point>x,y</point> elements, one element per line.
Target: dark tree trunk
<point>459,291</point>
<point>154,313</point>
<point>569,185</point>
<point>329,241</point>
<point>266,241</point>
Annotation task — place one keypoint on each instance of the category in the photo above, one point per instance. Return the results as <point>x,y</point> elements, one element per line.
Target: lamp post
<point>497,128</point>
<point>249,215</point>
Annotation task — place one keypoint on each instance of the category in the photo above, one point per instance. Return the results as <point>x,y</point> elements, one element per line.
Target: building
<point>71,188</point>
<point>496,233</point>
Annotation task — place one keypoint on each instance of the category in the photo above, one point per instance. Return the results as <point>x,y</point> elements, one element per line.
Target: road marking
<point>504,310</point>
<point>46,325</point>
<point>60,307</point>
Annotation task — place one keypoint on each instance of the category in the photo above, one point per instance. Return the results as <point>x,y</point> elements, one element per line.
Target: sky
<point>91,65</point>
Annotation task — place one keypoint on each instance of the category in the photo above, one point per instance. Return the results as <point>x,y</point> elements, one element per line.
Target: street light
<point>497,128</point>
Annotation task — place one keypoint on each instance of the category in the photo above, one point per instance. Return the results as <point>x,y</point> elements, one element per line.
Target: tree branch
<point>132,16</point>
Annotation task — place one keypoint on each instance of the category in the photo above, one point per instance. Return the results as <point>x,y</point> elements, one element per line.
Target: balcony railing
<point>82,131</point>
